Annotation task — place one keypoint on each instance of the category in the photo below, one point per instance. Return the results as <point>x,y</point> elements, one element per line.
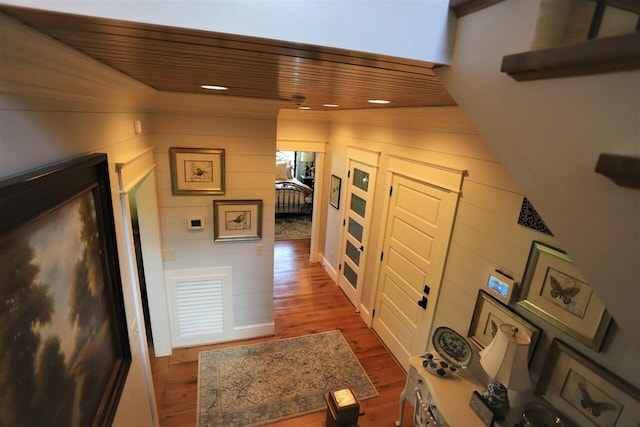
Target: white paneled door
<point>359,199</point>
<point>417,234</point>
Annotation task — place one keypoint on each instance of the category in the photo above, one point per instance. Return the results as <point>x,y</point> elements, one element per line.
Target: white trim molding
<point>441,176</point>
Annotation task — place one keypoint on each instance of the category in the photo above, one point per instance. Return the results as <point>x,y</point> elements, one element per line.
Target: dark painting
<point>64,351</point>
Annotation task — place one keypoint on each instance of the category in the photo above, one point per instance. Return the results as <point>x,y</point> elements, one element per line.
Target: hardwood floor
<point>306,301</point>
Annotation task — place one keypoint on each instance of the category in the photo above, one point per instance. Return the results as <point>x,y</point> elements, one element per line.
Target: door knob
<point>423,303</point>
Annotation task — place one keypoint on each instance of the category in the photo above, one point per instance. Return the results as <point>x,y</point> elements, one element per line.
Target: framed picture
<point>554,289</point>
<point>196,170</point>
<point>585,392</point>
<point>481,409</point>
<point>66,351</point>
<point>489,314</point>
<point>334,191</point>
<point>237,220</point>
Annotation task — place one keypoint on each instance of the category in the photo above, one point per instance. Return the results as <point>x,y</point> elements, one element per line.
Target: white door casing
<point>319,148</point>
<point>418,228</point>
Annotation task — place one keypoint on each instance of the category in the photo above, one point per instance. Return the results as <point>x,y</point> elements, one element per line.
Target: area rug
<point>261,383</point>
<point>293,228</point>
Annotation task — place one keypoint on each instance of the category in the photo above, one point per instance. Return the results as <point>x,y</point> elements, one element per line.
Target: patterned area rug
<point>293,228</point>
<point>261,383</point>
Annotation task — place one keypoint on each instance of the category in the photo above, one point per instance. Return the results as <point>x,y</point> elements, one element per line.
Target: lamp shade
<point>307,156</point>
<point>506,358</point>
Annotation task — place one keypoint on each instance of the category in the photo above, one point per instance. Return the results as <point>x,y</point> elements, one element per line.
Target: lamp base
<point>495,394</point>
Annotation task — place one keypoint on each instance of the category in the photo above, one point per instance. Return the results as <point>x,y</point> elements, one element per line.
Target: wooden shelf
<point>623,170</point>
<point>466,7</point>
<point>597,56</point>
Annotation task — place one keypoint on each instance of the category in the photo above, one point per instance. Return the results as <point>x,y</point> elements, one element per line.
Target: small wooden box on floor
<point>343,408</point>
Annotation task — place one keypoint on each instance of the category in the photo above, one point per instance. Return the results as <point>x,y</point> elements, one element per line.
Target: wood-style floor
<point>306,301</point>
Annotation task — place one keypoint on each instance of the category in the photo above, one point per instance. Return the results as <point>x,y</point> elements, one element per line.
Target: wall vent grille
<point>200,307</point>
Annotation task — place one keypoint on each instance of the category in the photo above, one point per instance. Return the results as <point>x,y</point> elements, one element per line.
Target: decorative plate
<point>452,347</point>
<point>436,366</point>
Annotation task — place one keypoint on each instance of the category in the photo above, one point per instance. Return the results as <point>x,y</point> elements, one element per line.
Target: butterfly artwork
<point>490,329</point>
<point>596,408</point>
<point>494,329</point>
<point>565,294</point>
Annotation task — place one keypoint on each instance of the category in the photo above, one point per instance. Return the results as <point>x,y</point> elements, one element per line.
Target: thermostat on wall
<point>501,286</point>
<point>195,223</point>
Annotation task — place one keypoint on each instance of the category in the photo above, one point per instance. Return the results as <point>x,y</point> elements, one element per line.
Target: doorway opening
<point>135,228</point>
<point>295,182</point>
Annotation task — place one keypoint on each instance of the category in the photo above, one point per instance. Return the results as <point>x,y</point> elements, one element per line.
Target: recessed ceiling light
<point>304,108</point>
<point>378,101</point>
<point>213,87</point>
<point>330,105</point>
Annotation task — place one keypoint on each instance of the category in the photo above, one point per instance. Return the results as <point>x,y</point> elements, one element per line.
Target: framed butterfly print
<point>554,289</point>
<point>585,392</point>
<point>489,314</point>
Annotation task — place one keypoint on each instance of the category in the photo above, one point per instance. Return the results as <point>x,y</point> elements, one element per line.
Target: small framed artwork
<point>481,409</point>
<point>237,220</point>
<point>554,289</point>
<point>489,314</point>
<point>334,191</point>
<point>196,170</point>
<point>585,392</point>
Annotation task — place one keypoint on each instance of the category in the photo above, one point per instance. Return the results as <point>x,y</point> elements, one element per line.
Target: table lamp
<point>506,360</point>
<point>307,157</point>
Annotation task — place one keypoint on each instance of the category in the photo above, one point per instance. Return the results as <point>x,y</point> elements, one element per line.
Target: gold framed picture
<point>489,314</point>
<point>196,170</point>
<point>237,220</point>
<point>584,391</point>
<point>554,289</point>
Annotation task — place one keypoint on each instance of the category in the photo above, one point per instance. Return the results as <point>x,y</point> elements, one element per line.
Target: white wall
<point>486,234</point>
<point>548,134</point>
<point>412,28</point>
<point>249,145</point>
<point>43,119</point>
<point>306,130</point>
<point>56,103</point>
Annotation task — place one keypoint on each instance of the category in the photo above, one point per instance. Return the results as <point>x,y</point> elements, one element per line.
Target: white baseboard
<point>333,273</point>
<point>253,331</point>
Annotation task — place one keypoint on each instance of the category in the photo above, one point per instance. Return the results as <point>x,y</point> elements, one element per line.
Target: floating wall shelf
<point>623,170</point>
<point>607,55</point>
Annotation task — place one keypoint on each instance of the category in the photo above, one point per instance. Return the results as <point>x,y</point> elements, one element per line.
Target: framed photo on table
<point>586,392</point>
<point>334,191</point>
<point>197,171</point>
<point>489,314</point>
<point>237,220</point>
<point>554,289</point>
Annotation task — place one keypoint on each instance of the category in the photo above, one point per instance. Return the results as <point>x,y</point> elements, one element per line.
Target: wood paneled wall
<point>249,145</point>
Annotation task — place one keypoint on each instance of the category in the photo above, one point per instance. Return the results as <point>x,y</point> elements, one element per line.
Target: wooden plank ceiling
<point>180,60</point>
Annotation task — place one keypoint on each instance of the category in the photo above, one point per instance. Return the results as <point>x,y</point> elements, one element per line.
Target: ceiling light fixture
<point>304,108</point>
<point>299,100</point>
<point>378,101</point>
<point>330,105</point>
<point>213,87</point>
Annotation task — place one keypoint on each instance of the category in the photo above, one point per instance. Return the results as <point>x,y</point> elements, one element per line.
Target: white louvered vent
<point>200,305</point>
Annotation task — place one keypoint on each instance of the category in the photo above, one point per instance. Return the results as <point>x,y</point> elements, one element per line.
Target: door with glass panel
<point>358,201</point>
